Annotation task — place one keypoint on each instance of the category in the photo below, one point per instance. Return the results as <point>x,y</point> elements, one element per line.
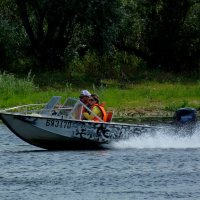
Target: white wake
<point>161,140</point>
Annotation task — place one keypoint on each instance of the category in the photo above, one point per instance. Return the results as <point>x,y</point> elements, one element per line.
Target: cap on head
<point>85,93</point>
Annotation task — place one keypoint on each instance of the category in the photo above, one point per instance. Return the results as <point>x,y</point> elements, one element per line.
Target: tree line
<point>114,38</point>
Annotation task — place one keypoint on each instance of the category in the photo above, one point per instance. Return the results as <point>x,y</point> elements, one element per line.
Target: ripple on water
<point>145,168</point>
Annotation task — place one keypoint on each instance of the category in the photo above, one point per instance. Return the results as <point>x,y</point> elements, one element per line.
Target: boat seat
<point>50,105</point>
<point>109,116</point>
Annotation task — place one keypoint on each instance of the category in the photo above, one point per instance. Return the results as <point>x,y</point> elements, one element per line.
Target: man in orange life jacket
<point>95,108</point>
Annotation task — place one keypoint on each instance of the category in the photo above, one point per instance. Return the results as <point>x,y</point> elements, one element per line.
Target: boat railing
<point>71,109</point>
<point>25,109</point>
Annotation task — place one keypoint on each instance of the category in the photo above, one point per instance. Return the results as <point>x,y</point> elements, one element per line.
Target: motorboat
<point>56,126</point>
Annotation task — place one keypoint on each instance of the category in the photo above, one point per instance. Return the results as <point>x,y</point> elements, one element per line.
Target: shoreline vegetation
<point>141,57</point>
<point>145,100</point>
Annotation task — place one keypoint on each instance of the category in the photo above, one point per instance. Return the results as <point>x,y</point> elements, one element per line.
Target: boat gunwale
<point>26,105</point>
<point>76,120</point>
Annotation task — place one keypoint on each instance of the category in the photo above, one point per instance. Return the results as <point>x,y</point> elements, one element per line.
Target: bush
<point>10,85</point>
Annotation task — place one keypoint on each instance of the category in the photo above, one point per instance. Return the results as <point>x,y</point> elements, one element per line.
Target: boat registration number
<point>58,123</point>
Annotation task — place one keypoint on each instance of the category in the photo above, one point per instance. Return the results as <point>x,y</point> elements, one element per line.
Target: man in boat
<point>96,108</point>
<point>84,96</point>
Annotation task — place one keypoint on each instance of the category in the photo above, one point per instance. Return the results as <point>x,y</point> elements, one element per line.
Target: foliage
<point>103,18</point>
<point>13,41</point>
<point>53,27</point>
<point>93,40</point>
<point>147,97</point>
<point>165,34</point>
<point>10,86</point>
<point>162,33</point>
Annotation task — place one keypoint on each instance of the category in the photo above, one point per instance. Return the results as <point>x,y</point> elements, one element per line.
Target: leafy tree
<point>103,19</point>
<point>53,27</point>
<point>161,33</point>
<point>11,35</point>
<point>164,33</point>
<point>49,26</point>
<point>2,57</point>
<point>189,46</point>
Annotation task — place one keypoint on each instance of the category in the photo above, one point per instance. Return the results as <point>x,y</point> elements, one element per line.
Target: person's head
<point>84,96</point>
<point>93,99</point>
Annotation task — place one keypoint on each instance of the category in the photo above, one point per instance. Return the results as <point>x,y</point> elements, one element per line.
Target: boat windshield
<point>72,109</point>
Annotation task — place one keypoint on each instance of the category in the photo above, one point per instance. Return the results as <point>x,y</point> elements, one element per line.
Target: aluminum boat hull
<point>60,134</point>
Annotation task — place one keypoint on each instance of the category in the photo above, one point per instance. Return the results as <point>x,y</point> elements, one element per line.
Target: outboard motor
<point>185,115</point>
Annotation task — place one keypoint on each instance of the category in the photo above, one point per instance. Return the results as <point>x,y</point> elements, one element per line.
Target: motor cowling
<point>185,116</point>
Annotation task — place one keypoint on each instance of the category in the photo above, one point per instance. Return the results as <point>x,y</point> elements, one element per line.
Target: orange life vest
<point>102,109</point>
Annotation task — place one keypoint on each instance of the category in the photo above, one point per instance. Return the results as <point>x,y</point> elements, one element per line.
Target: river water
<point>157,167</point>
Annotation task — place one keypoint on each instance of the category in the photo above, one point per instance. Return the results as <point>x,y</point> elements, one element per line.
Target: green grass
<point>153,96</point>
<point>132,98</point>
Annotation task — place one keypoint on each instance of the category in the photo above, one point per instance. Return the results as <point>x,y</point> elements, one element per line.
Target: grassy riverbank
<point>149,98</point>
